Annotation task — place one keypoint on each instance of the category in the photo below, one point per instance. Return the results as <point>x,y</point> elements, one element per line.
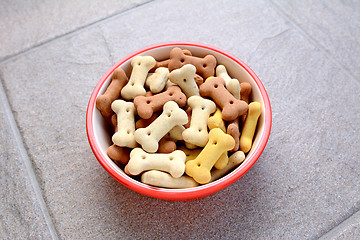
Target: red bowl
<point>100,139</point>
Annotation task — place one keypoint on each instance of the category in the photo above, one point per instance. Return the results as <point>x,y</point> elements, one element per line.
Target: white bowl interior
<point>100,127</point>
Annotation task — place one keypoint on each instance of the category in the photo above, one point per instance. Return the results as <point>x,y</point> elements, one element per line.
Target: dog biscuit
<point>146,106</point>
<point>163,179</point>
<point>204,66</point>
<point>197,133</point>
<point>216,121</point>
<point>119,154</point>
<point>125,112</point>
<point>140,68</point>
<point>232,84</point>
<point>231,107</point>
<point>249,127</point>
<point>245,91</point>
<point>157,81</point>
<point>234,131</point>
<point>184,77</point>
<point>171,116</point>
<point>234,160</point>
<point>191,154</point>
<point>167,144</point>
<point>103,102</point>
<point>140,161</point>
<point>199,168</point>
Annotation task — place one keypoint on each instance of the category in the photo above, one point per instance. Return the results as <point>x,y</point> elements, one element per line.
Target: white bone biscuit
<point>171,116</point>
<point>156,81</point>
<point>125,112</point>
<point>163,179</point>
<point>231,84</point>
<point>197,134</point>
<point>184,77</point>
<point>135,87</point>
<point>140,161</point>
<point>234,160</point>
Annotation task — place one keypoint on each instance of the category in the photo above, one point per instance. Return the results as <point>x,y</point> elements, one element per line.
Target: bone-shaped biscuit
<point>171,116</point>
<point>232,84</point>
<point>249,127</point>
<point>204,66</point>
<point>245,91</point>
<point>103,102</point>
<point>146,106</point>
<point>216,121</point>
<point>191,154</point>
<point>140,161</point>
<point>234,160</point>
<point>163,179</point>
<point>231,107</point>
<point>222,161</point>
<point>140,68</point>
<point>165,63</point>
<point>199,168</point>
<point>119,154</point>
<point>234,131</point>
<point>197,133</point>
<point>157,81</point>
<point>125,112</point>
<point>166,144</point>
<point>184,77</point>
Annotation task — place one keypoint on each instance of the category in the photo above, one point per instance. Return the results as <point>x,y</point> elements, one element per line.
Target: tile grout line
<point>26,160</point>
<point>70,33</point>
<point>334,232</point>
<point>313,41</point>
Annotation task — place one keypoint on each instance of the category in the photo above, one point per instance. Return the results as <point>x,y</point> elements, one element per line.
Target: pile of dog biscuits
<point>179,122</point>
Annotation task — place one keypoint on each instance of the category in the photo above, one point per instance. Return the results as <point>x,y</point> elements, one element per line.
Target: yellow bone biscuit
<point>140,161</point>
<point>199,168</point>
<point>125,112</point>
<point>191,154</point>
<point>249,128</point>
<point>216,121</point>
<point>171,116</point>
<point>234,160</point>
<point>140,68</point>
<point>222,161</point>
<point>163,179</point>
<point>197,133</point>
<point>157,81</point>
<point>231,84</point>
<point>184,77</point>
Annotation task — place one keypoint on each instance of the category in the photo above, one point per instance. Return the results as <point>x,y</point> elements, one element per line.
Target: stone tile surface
<point>349,229</point>
<point>20,214</point>
<point>334,25</point>
<point>304,184</point>
<point>28,23</point>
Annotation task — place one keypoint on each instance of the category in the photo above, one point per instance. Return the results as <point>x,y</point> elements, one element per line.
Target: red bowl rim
<point>188,193</point>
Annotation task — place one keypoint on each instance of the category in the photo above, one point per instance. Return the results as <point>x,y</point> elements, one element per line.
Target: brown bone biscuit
<point>231,107</point>
<point>165,63</point>
<point>245,96</point>
<point>204,66</point>
<point>146,106</point>
<point>103,102</point>
<point>119,154</point>
<point>233,130</point>
<point>245,91</point>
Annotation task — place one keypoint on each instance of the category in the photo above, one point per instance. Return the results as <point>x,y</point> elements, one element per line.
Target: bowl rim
<point>187,193</point>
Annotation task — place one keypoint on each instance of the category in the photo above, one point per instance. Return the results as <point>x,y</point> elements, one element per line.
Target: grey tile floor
<point>306,184</point>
